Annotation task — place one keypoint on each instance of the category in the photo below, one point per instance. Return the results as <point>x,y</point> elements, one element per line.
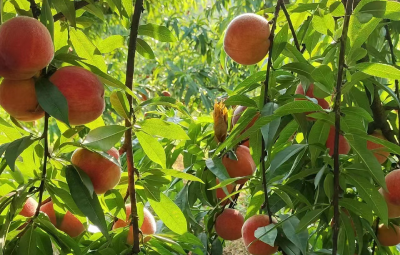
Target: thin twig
<point>78,5</point>
<point>234,201</point>
<point>336,109</point>
<point>264,153</point>
<point>35,9</point>
<point>376,234</point>
<point>130,67</point>
<point>296,41</point>
<point>389,40</point>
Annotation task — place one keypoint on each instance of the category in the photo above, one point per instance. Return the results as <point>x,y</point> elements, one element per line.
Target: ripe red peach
<point>84,93</point>
<point>148,226</point>
<point>246,39</point>
<point>26,47</point>
<point>29,208</point>
<point>254,246</point>
<point>103,173</point>
<point>379,152</point>
<point>388,235</point>
<point>18,98</point>
<point>393,210</point>
<point>228,224</point>
<point>392,183</point>
<point>69,223</point>
<point>243,166</point>
<point>344,146</point>
<point>166,93</point>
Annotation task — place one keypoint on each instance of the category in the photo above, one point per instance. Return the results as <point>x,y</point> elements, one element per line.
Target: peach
<point>18,98</point>
<point>69,223</point>
<point>103,173</point>
<point>393,210</point>
<point>143,96</point>
<point>166,93</point>
<point>310,93</point>
<point>246,39</point>
<point>344,146</point>
<point>392,183</point>
<point>243,166</point>
<point>26,47</point>
<point>379,152</point>
<point>246,143</point>
<point>388,236</point>
<point>221,194</point>
<point>29,208</point>
<point>254,246</point>
<point>238,113</point>
<point>228,224</point>
<point>84,93</point>
<point>148,226</point>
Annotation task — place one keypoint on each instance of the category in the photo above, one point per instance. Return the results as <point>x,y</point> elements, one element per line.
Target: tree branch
<point>35,9</point>
<point>264,153</point>
<point>296,42</point>
<point>389,40</point>
<point>130,67</point>
<point>78,5</point>
<point>376,234</point>
<point>336,109</point>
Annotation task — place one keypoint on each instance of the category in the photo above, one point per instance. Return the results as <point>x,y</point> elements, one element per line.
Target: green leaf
<point>357,111</point>
<point>15,148</point>
<point>217,168</point>
<point>306,7</point>
<point>359,32</point>
<point>111,43</point>
<point>299,106</point>
<point>158,247</point>
<point>170,214</point>
<point>216,247</point>
<point>46,17</point>
<point>43,242</point>
<point>158,127</point>
<point>144,49</point>
<point>289,227</point>
<point>128,6</point>
<point>104,138</point>
<point>318,136</point>
<point>240,100</point>
<point>52,100</point>
<point>160,33</point>
<point>324,75</point>
<point>87,203</point>
<point>120,103</point>
<point>357,207</point>
<point>67,7</point>
<point>284,155</point>
<point>280,41</point>
<point>324,24</point>
<point>115,203</point>
<point>309,218</point>
<point>27,244</point>
<point>379,70</point>
<point>368,158</point>
<point>382,9</point>
<point>255,203</point>
<point>267,234</point>
<point>181,175</point>
<point>370,195</point>
<point>152,148</point>
<point>304,69</point>
<point>347,225</point>
<point>253,79</point>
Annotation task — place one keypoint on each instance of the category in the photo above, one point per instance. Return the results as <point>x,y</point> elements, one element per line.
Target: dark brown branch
<point>296,42</point>
<point>35,9</point>
<point>396,82</point>
<point>267,100</point>
<point>130,68</point>
<point>336,109</point>
<point>78,5</point>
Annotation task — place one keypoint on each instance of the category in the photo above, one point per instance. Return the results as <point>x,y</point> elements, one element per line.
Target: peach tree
<point>175,127</point>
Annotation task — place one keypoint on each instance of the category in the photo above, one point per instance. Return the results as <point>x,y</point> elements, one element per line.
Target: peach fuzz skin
<point>243,166</point>
<point>83,91</point>
<point>69,223</point>
<point>392,183</point>
<point>26,47</point>
<point>18,98</point>
<point>388,235</point>
<point>148,226</point>
<point>344,146</point>
<point>246,39</point>
<point>228,224</point>
<point>29,208</point>
<point>103,173</point>
<point>257,247</point>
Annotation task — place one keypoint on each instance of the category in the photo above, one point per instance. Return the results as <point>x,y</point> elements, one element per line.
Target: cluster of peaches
<point>230,224</point>
<point>26,48</point>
